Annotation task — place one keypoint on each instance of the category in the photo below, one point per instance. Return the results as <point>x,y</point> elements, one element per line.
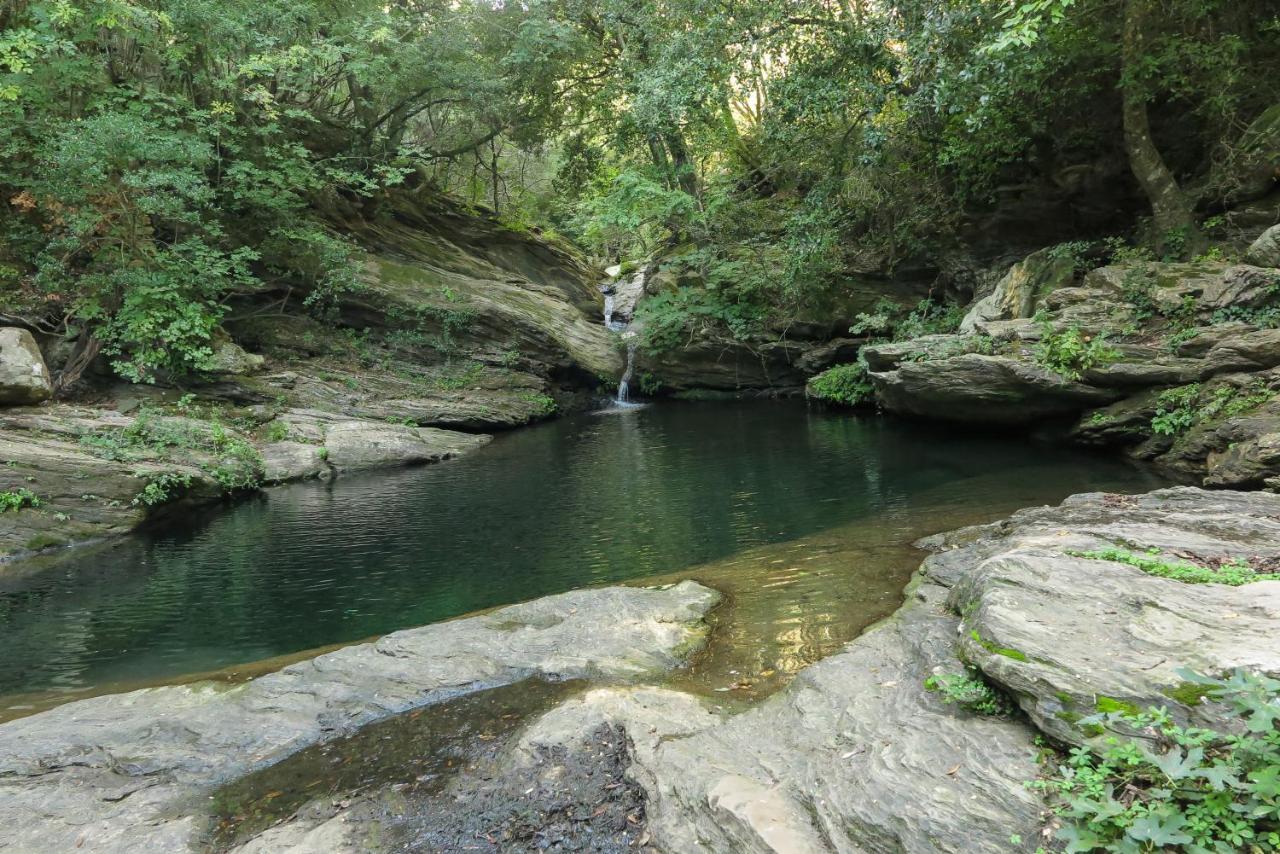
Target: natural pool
<point>804,517</point>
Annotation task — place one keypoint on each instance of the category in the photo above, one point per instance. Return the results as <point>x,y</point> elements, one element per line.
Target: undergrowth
<point>1233,572</point>
<point>1151,784</point>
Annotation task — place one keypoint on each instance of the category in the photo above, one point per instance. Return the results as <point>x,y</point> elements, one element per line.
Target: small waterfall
<point>608,309</point>
<point>624,384</point>
<point>620,299</point>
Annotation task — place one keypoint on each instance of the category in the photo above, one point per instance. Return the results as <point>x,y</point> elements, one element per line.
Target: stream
<point>804,518</point>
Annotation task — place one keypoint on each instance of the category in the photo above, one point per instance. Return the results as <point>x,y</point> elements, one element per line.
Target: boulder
<point>230,360</point>
<point>368,444</point>
<point>1018,294</point>
<point>977,388</point>
<point>123,773</point>
<point>24,378</point>
<point>1265,251</point>
<point>288,461</point>
<point>1068,635</point>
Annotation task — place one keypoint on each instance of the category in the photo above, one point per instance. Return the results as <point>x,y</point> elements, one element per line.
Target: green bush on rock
<point>846,385</point>
<point>1071,352</point>
<point>1152,785</point>
<point>17,499</point>
<point>1234,572</point>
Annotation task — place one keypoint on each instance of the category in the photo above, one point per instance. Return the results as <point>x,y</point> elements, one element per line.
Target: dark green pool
<point>584,500</point>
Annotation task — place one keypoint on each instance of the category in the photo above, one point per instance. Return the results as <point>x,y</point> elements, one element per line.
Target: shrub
<point>969,691</point>
<point>1175,410</point>
<point>16,499</point>
<point>162,488</point>
<point>1179,409</point>
<point>1070,353</point>
<point>1152,785</point>
<point>846,385</point>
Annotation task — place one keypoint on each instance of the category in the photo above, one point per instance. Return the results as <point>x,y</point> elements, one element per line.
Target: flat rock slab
<point>854,756</point>
<point>1069,636</point>
<point>130,772</point>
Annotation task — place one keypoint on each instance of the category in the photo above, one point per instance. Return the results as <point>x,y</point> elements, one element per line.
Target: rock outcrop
<point>23,375</point>
<point>99,472</point>
<point>1173,363</point>
<point>131,772</point>
<point>1069,635</point>
<point>1265,251</point>
<point>460,326</point>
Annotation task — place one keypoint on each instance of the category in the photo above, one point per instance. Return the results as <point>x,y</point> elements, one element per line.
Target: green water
<point>806,516</point>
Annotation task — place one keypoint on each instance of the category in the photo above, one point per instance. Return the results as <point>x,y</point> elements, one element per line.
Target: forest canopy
<point>158,159</point>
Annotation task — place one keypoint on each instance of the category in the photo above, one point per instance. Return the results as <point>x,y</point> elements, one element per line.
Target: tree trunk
<point>1171,208</point>
<point>682,163</point>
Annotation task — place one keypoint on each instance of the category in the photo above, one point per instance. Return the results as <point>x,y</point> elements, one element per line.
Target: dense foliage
<point>159,158</point>
<point>1151,784</point>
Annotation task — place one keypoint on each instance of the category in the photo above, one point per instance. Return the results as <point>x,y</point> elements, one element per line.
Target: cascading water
<point>620,299</point>
<point>624,384</point>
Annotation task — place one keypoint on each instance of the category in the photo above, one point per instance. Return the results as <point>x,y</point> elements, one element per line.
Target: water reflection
<point>579,501</point>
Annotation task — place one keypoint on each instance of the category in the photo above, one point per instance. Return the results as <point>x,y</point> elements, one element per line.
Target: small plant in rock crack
<point>17,499</point>
<point>1150,784</point>
<point>970,692</point>
<point>1070,353</point>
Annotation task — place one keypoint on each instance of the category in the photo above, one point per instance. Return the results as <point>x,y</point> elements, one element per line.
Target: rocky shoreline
<point>130,771</point>
<point>1173,364</point>
<point>858,753</point>
<point>459,328</point>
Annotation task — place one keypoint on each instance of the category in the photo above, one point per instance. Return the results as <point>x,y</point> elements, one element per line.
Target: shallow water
<point>804,517</point>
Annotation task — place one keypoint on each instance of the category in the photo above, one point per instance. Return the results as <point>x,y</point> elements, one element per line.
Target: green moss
<point>1065,699</point>
<point>44,541</point>
<point>997,650</point>
<point>695,639</point>
<point>1106,705</point>
<point>1186,693</point>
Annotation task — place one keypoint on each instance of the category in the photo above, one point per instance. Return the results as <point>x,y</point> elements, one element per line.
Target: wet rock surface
<point>130,771</point>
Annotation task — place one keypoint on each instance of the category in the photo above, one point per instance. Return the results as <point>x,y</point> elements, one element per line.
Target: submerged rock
<point>129,772</point>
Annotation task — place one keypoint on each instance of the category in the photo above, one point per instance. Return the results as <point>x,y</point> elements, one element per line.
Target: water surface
<point>805,517</point>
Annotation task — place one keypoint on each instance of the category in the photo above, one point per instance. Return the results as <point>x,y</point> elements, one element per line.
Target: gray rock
<point>1018,294</point>
<point>127,772</point>
<point>1071,635</point>
<point>1247,351</point>
<point>984,389</point>
<point>230,359</point>
<point>854,756</point>
<point>368,444</point>
<point>286,461</point>
<point>23,375</point>
<point>1265,251</point>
